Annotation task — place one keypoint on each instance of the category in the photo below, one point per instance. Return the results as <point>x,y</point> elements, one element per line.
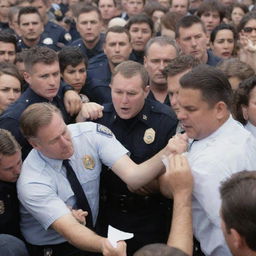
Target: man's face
<point>158,57</point>
<point>210,20</point>
<point>117,47</point>
<point>7,52</point>
<point>173,84</point>
<point>10,167</point>
<point>179,6</point>
<point>44,79</point>
<point>41,7</point>
<point>227,2</point>
<point>193,41</point>
<point>107,9</point>
<point>75,76</point>
<point>4,9</point>
<point>128,95</point>
<point>31,26</point>
<point>134,7</point>
<point>140,34</point>
<point>54,140</point>
<point>89,26</point>
<point>197,117</point>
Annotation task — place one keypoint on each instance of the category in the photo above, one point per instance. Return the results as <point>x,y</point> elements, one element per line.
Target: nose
<point>52,81</point>
<point>11,95</point>
<point>124,98</point>
<point>30,26</point>
<point>173,100</point>
<point>193,42</point>
<point>139,34</point>
<point>6,57</point>
<point>17,170</point>
<point>182,114</point>
<point>89,25</point>
<point>117,47</point>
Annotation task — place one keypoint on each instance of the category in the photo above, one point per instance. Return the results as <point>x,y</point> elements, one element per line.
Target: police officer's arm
<point>179,181</point>
<point>84,238</point>
<point>91,111</point>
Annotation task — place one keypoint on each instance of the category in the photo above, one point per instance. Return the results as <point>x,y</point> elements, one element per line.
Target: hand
<point>177,144</point>
<point>178,178</point>
<point>109,250</point>
<point>90,110</point>
<point>79,215</point>
<point>72,102</point>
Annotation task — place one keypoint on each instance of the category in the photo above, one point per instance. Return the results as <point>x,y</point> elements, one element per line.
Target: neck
<point>205,58</point>
<point>31,43</point>
<point>91,45</point>
<point>159,92</point>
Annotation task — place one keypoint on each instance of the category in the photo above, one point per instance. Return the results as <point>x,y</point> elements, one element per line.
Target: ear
<point>237,239</point>
<point>34,143</point>
<point>27,77</point>
<point>146,90</point>
<point>221,110</point>
<point>245,112</point>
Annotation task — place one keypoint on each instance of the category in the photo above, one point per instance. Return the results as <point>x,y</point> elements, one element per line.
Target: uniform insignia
<point>88,162</point>
<point>68,37</point>
<point>149,136</point>
<point>58,13</point>
<point>48,41</point>
<point>2,208</point>
<point>144,117</point>
<point>104,130</point>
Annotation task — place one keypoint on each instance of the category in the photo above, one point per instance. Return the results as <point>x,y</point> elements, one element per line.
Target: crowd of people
<point>139,114</point>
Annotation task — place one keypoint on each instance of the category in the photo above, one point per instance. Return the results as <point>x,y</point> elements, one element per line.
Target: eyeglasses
<point>249,29</point>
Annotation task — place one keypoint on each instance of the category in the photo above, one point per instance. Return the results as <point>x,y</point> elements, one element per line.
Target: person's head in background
<point>194,5</point>
<point>155,11</point>
<point>73,65</point>
<point>211,14</point>
<point>245,101</point>
<point>168,24</point>
<point>13,19</point>
<point>165,3</point>
<point>236,71</point>
<point>238,195</point>
<point>227,3</point>
<point>108,9</point>
<point>237,13</point>
<point>223,41</point>
<point>10,85</point>
<point>19,62</point>
<point>134,7</point>
<point>141,29</point>
<point>179,6</point>
<point>8,47</point>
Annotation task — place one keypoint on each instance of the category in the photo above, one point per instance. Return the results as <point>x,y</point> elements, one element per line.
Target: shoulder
<point>98,60</point>
<point>78,42</point>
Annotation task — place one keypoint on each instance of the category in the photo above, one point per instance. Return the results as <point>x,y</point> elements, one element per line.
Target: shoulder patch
<point>67,37</point>
<point>104,130</point>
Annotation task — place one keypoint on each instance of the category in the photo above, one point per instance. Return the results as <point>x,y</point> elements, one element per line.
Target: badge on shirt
<point>2,208</point>
<point>48,41</point>
<point>68,37</point>
<point>149,136</point>
<point>104,130</point>
<point>88,162</point>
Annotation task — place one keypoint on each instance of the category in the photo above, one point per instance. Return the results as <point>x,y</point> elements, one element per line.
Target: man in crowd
<point>8,47</point>
<point>179,6</point>
<point>158,53</point>
<point>43,76</point>
<point>62,173</point>
<point>89,25</point>
<point>117,48</point>
<point>192,39</point>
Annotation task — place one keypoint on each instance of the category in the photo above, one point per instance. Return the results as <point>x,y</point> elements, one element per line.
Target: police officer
<point>53,31</point>
<point>117,49</point>
<point>31,30</point>
<point>10,166</point>
<point>63,156</point>
<point>89,25</point>
<point>143,127</point>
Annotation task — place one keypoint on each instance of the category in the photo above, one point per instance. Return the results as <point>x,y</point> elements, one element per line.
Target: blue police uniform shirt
<point>57,34</point>
<point>98,79</point>
<point>212,59</point>
<point>137,56</point>
<point>131,133</point>
<point>45,192</point>
<point>89,53</point>
<point>9,120</point>
<point>151,96</point>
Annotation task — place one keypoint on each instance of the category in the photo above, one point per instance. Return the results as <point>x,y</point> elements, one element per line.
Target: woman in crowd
<point>10,85</point>
<point>237,13</point>
<point>223,41</point>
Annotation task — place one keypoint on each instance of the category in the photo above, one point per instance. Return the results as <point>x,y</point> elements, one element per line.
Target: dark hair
<point>187,22</point>
<point>151,7</point>
<point>28,10</point>
<point>211,6</point>
<point>238,195</point>
<point>170,20</point>
<point>180,64</point>
<point>8,37</point>
<point>39,54</point>
<point>118,30</point>
<point>7,68</point>
<point>8,145</point>
<point>138,19</point>
<point>114,2</point>
<point>157,249</point>
<point>242,97</point>
<point>220,27</point>
<point>247,17</point>
<point>46,2</point>
<point>212,83</point>
<point>73,56</point>
<point>241,6</point>
<point>85,8</point>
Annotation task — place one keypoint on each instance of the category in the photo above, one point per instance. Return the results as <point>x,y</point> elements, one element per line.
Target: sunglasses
<point>249,29</point>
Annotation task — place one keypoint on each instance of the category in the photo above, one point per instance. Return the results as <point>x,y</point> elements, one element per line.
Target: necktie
<point>81,200</point>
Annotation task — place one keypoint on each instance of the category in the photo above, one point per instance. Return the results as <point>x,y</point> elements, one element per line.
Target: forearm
<point>181,234</point>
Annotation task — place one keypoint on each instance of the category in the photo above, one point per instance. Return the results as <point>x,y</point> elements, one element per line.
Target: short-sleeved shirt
<point>44,190</point>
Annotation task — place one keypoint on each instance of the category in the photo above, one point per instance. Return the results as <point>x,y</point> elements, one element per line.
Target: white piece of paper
<point>115,235</point>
